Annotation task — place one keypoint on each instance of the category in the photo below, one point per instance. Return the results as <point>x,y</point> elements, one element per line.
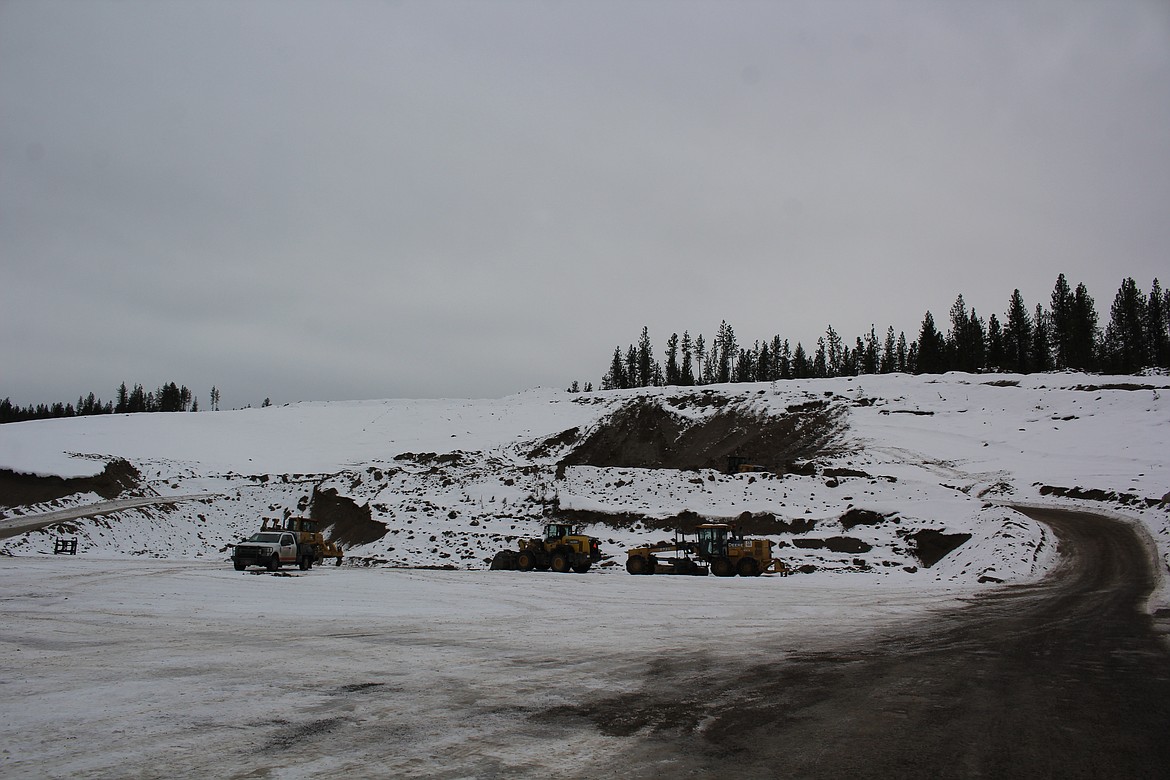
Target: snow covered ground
<point>146,655</point>
<point>148,668</point>
<point>453,481</point>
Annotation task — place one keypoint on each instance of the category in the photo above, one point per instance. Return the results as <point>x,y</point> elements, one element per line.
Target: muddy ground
<point>1067,678</point>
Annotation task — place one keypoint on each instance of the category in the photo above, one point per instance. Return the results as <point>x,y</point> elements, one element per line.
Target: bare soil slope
<point>17,489</point>
<point>647,433</point>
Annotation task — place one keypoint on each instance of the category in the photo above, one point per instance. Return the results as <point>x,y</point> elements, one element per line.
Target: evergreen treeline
<point>167,398</point>
<point>1064,335</point>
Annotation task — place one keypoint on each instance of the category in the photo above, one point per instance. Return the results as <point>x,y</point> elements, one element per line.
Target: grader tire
<point>722,567</point>
<point>748,567</point>
<point>636,564</point>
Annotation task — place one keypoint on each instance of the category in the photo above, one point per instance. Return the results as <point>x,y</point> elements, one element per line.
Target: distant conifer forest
<point>167,398</point>
<point>1064,335</point>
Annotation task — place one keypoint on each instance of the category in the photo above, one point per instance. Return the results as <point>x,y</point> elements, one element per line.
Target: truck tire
<point>304,562</point>
<point>274,562</point>
<point>240,565</point>
<point>581,568</point>
<point>560,563</point>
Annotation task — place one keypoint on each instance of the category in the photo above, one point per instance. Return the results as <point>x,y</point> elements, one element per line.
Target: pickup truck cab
<point>271,549</point>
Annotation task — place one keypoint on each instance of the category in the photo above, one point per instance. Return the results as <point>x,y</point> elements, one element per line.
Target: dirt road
<point>1062,679</point>
<point>14,526</point>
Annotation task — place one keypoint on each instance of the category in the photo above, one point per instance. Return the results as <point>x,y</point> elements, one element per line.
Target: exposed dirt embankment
<point>757,523</point>
<point>17,489</point>
<point>646,434</point>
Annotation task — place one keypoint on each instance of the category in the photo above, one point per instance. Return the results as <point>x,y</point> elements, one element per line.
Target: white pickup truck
<point>271,549</point>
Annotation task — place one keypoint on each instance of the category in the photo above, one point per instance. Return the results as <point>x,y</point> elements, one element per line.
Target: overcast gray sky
<point>341,200</point>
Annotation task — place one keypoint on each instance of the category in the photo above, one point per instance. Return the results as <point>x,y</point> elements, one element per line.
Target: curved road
<point>1064,679</point>
<point>21,524</point>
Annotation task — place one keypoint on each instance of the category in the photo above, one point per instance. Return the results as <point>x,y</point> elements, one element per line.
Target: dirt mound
<point>932,546</point>
<point>644,434</point>
<point>342,520</point>
<point>18,489</point>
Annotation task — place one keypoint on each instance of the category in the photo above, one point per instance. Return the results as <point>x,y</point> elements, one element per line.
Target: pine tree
<point>728,350</point>
<point>744,367</point>
<point>137,402</point>
<point>645,359</point>
<point>1083,345</point>
<point>1157,327</point>
<point>931,358</point>
<point>702,364</point>
<point>833,352</point>
<point>903,353</point>
<point>1041,351</point>
<point>977,338</point>
<point>995,355</point>
<point>1061,311</point>
<point>1017,336</point>
<point>801,369</point>
<point>965,342</point>
<point>764,363</point>
<point>616,378</point>
<point>889,352</point>
<point>870,360</point>
<point>673,372</point>
<point>687,372</point>
<point>1125,342</point>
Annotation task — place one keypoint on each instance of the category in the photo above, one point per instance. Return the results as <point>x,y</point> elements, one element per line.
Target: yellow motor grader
<point>307,536</point>
<point>717,548</point>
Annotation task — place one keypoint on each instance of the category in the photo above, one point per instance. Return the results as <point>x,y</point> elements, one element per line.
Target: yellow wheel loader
<point>563,548</point>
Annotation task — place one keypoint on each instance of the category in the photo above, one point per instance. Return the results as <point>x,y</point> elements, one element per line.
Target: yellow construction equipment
<point>307,535</point>
<point>563,548</point>
<point>717,548</point>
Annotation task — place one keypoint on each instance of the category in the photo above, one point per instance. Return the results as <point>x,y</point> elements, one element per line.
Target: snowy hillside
<point>860,475</point>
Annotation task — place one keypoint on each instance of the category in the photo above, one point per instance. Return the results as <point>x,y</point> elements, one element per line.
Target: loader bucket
<point>504,560</point>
